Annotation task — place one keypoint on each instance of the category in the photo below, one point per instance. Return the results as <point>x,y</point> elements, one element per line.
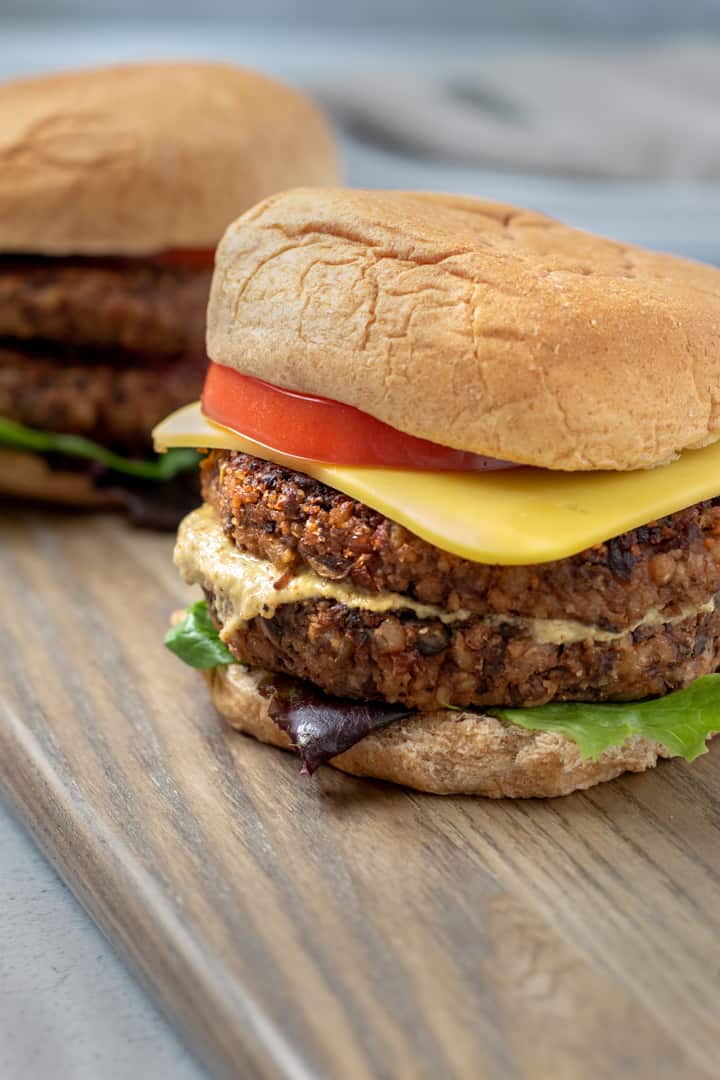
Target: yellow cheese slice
<point>512,518</point>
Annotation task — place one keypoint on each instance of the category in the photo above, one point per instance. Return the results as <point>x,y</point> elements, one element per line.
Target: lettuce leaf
<point>682,721</point>
<point>163,467</point>
<point>321,727</point>
<point>196,641</point>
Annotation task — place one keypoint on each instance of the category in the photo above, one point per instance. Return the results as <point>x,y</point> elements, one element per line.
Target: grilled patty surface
<point>112,402</point>
<point>636,616</point>
<point>295,521</point>
<point>139,305</point>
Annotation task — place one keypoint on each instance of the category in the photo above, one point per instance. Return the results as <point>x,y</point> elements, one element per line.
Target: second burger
<point>115,186</point>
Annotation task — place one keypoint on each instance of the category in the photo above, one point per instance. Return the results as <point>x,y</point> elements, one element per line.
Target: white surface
<point>67,1007</point>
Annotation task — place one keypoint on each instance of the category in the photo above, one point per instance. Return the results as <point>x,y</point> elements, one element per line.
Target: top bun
<point>473,324</point>
<point>138,159</point>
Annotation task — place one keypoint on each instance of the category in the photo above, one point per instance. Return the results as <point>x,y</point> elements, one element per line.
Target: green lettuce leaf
<point>196,640</point>
<point>162,467</point>
<point>682,721</point>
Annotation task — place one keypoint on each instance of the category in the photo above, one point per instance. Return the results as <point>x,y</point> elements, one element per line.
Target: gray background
<point>611,18</point>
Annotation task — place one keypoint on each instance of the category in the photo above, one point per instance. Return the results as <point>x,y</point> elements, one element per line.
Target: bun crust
<point>474,324</point>
<point>445,752</point>
<point>143,158</point>
<point>28,476</point>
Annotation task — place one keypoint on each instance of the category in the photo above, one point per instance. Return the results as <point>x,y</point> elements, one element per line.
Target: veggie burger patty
<point>140,305</point>
<point>113,399</point>
<point>501,635</point>
<point>294,521</point>
<point>99,347</point>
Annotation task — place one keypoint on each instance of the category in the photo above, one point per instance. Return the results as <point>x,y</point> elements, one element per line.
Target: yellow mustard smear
<point>245,587</point>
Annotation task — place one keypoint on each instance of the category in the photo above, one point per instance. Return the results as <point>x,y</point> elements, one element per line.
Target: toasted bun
<point>144,158</point>
<point>473,324</point>
<point>28,476</point>
<point>445,752</point>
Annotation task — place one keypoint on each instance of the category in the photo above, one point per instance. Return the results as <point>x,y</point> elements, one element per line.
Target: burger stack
<point>115,186</point>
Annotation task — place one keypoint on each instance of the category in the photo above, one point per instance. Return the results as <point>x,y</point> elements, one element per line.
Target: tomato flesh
<point>189,257</point>
<point>319,429</point>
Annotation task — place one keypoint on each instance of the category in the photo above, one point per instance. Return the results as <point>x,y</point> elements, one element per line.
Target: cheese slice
<point>514,517</point>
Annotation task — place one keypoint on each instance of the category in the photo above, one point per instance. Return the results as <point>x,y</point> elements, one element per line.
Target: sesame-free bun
<point>445,752</point>
<point>143,158</point>
<point>473,324</point>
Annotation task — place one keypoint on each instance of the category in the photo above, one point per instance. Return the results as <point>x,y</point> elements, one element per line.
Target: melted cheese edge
<point>518,517</point>
<point>245,587</point>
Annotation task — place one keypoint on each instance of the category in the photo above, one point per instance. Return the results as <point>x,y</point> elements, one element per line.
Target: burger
<point>115,186</point>
<point>461,520</point>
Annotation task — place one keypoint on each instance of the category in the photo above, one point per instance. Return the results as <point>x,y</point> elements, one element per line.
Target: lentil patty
<point>116,405</point>
<point>426,664</point>
<point>139,305</point>
<point>295,521</point>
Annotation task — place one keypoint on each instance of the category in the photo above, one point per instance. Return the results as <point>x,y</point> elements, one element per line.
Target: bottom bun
<point>445,752</point>
<point>28,476</point>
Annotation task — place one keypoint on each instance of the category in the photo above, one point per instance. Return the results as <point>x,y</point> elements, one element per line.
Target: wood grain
<point>340,928</point>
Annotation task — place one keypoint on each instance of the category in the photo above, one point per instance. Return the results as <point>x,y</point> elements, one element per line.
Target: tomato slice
<point>190,257</point>
<point>319,429</point>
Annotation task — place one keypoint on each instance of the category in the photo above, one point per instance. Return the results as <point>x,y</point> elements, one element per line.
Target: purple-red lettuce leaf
<point>321,727</point>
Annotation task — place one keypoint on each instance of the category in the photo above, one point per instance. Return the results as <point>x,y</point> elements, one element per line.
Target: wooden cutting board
<point>339,928</point>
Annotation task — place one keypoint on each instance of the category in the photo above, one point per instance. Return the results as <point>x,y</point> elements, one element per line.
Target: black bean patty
<point>294,521</point>
<point>426,664</point>
<point>117,406</point>
<point>140,305</point>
